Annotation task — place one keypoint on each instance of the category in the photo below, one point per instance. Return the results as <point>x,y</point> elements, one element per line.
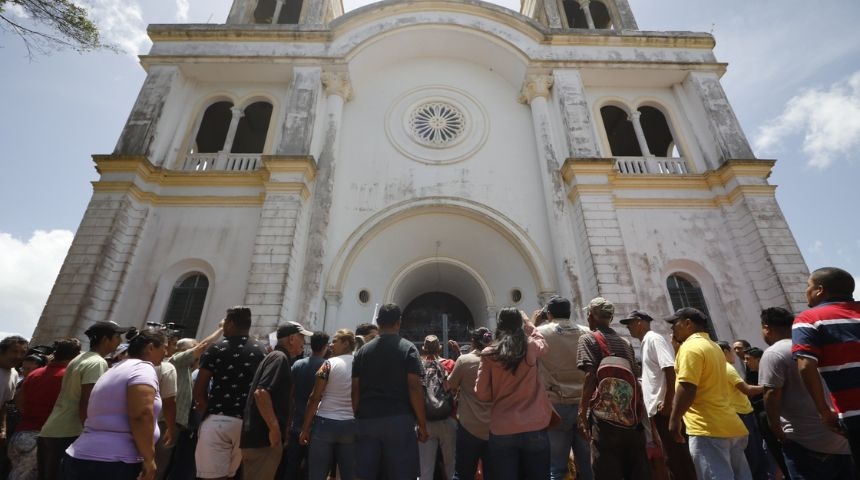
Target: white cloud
<point>816,247</point>
<point>182,7</point>
<point>16,10</point>
<point>120,23</point>
<point>828,120</point>
<point>27,273</point>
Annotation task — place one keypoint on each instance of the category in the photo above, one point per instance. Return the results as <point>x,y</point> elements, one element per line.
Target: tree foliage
<point>51,25</point>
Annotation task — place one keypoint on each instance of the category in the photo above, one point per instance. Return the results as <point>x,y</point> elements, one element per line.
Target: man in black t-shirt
<point>230,365</point>
<point>269,403</point>
<point>388,400</point>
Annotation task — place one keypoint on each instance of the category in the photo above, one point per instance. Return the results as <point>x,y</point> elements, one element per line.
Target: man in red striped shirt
<point>826,340</point>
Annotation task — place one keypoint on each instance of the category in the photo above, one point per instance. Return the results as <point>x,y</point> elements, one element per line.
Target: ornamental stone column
<point>535,92</point>
<point>338,90</point>
<point>279,5</point>
<point>636,119</point>
<point>237,113</point>
<point>588,19</point>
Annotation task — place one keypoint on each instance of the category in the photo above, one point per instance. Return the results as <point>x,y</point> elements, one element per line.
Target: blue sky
<point>793,80</point>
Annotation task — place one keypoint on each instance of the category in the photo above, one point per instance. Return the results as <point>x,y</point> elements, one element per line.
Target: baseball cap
<point>291,328</point>
<point>695,315</point>
<point>110,328</point>
<point>636,314</point>
<point>600,304</point>
<point>558,306</point>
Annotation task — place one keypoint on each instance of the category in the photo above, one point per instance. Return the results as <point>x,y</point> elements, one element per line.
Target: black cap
<point>558,306</point>
<point>695,315</point>
<point>291,328</point>
<point>634,315</point>
<point>105,327</point>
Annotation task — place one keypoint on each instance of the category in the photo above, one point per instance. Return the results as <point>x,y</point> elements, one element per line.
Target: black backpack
<point>438,401</point>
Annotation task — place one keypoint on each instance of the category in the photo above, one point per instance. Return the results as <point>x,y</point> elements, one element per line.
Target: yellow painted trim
<point>157,176</point>
<point>713,202</point>
<point>178,200</point>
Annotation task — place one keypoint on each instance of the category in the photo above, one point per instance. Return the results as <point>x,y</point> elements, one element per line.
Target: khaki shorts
<point>218,453</point>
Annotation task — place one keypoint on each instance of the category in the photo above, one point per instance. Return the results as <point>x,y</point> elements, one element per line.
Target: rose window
<point>436,124</point>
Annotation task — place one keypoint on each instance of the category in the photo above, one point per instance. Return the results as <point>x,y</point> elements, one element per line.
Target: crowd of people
<point>540,398</point>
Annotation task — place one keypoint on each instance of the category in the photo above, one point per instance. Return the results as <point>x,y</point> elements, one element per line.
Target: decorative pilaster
<point>337,90</point>
<point>94,272</point>
<point>573,104</point>
<point>332,305</point>
<point>301,102</point>
<point>730,139</point>
<point>139,131</point>
<point>535,92</point>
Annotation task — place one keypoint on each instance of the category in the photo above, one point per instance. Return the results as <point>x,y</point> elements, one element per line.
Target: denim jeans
<point>562,438</point>
<point>470,449</point>
<point>518,456</point>
<point>388,446</point>
<point>332,439</point>
<point>75,469</point>
<point>720,458</point>
<point>756,456</point>
<point>805,464</point>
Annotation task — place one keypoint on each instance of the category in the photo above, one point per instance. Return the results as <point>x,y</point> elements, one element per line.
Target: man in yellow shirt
<point>717,435</point>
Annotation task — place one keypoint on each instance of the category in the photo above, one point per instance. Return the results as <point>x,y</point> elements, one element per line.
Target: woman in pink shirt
<point>508,378</point>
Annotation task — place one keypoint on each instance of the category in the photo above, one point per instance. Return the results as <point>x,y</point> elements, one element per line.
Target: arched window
<point>684,293</point>
<point>288,14</point>
<point>657,132</point>
<point>213,128</point>
<point>600,15</point>
<point>619,132</point>
<point>575,14</point>
<point>577,17</point>
<point>252,128</point>
<point>186,303</point>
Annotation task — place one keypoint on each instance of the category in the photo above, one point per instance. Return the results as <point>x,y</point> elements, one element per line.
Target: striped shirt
<point>830,333</point>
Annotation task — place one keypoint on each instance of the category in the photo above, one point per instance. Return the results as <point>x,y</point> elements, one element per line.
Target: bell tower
<point>581,14</point>
<point>284,12</point>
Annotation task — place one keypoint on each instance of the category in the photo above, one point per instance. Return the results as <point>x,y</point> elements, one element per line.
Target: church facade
<point>453,157</point>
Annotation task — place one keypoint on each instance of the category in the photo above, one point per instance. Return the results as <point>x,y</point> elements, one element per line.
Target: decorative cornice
<point>337,83</point>
<point>535,85</point>
<point>140,178</point>
<point>738,177</point>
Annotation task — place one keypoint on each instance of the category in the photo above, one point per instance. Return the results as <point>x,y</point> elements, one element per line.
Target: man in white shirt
<point>658,390</point>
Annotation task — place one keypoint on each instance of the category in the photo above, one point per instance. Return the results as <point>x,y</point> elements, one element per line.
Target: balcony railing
<point>230,162</point>
<point>651,166</point>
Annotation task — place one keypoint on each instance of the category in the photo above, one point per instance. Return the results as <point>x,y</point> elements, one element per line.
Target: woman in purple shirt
<point>118,441</point>
<point>508,378</point>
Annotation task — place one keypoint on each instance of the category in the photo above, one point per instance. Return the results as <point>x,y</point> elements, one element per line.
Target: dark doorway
<point>423,316</point>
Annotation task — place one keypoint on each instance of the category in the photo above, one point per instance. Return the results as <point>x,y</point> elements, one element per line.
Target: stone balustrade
<point>231,162</point>
<point>651,166</point>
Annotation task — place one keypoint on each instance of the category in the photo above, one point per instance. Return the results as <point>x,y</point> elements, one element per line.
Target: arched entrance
<point>431,313</point>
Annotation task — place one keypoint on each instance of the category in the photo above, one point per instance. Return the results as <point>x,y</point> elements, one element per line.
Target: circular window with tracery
<point>437,124</point>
